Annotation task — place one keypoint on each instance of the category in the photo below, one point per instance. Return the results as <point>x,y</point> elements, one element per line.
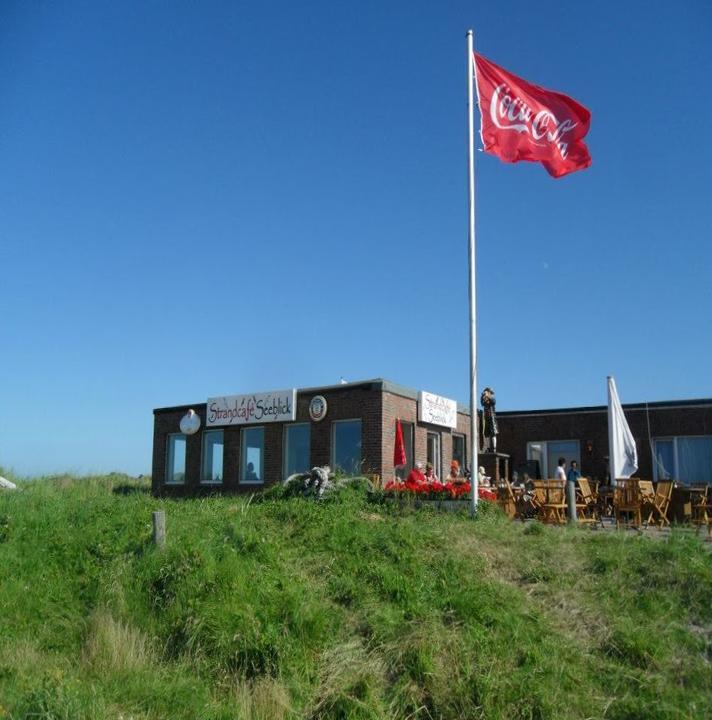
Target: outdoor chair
<point>647,490</point>
<point>506,499</point>
<point>553,510</point>
<point>702,510</point>
<point>627,501</point>
<point>586,502</point>
<point>647,497</point>
<point>661,502</point>
<point>538,496</point>
<point>604,495</point>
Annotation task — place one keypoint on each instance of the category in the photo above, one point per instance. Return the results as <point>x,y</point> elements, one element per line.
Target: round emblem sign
<point>189,423</point>
<point>317,408</point>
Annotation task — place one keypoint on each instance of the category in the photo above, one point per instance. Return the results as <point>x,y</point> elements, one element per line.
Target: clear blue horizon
<point>213,198</point>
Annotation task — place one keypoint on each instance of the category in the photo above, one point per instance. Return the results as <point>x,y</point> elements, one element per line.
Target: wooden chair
<point>539,497</point>
<point>647,497</point>
<point>702,510</point>
<point>554,508</point>
<point>604,493</point>
<point>506,499</point>
<point>647,490</point>
<point>627,501</point>
<point>586,502</point>
<point>661,502</point>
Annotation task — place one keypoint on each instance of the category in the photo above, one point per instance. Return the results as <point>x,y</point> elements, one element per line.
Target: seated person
<point>416,474</point>
<point>251,475</point>
<point>454,475</point>
<point>430,475</point>
<point>482,479</point>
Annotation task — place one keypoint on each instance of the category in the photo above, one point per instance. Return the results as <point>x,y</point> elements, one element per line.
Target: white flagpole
<point>474,438</point>
<point>611,448</point>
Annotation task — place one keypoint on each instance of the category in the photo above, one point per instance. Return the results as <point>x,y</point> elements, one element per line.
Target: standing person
<point>561,470</point>
<point>573,475</point>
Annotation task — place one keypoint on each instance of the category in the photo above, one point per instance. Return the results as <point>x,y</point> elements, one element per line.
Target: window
<point>346,446</point>
<point>175,467</point>
<point>546,454</point>
<point>434,453</point>
<point>458,450</point>
<point>407,430</point>
<point>252,455</point>
<point>297,448</point>
<point>687,459</point>
<point>212,470</point>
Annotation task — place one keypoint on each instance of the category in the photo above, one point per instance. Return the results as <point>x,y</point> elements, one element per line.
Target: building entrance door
<point>434,452</point>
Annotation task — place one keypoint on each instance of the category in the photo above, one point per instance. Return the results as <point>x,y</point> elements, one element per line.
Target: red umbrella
<point>399,450</point>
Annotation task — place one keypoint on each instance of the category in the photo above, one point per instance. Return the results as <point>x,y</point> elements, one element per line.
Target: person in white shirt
<point>561,470</point>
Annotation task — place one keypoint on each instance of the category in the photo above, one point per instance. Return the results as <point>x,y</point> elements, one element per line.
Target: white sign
<point>277,406</point>
<point>437,410</point>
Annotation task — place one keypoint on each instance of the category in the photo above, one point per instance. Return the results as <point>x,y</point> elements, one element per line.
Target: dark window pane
<point>212,471</point>
<point>253,442</point>
<point>297,439</point>
<point>175,467</point>
<point>346,449</point>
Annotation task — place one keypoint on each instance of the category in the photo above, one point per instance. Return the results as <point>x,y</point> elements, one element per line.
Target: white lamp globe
<point>190,423</point>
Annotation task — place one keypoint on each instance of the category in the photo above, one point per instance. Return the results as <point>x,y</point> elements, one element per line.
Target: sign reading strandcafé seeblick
<point>276,406</point>
<point>437,410</point>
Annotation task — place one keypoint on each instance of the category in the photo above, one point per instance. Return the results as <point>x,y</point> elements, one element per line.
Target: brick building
<point>247,442</point>
<point>673,439</point>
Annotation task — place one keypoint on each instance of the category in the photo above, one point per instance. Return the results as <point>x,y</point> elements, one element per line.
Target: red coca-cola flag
<point>521,121</point>
<point>399,450</point>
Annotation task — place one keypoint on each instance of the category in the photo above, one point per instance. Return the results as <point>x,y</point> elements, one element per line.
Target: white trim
<point>285,445</point>
<point>438,464</point>
<point>243,431</point>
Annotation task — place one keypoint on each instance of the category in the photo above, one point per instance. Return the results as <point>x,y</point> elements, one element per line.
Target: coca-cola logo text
<point>508,112</point>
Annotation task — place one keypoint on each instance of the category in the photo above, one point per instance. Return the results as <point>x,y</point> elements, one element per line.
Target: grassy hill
<point>288,608</point>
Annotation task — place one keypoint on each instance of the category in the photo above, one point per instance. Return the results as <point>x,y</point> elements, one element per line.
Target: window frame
<point>243,455</point>
<point>438,460</point>
<point>408,430</point>
<point>463,437</point>
<point>675,474</point>
<point>285,445</point>
<point>170,459</point>
<point>332,452</point>
<point>206,434</point>
<point>545,452</point>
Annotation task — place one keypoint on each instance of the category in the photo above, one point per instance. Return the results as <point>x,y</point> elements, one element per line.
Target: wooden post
<point>159,528</point>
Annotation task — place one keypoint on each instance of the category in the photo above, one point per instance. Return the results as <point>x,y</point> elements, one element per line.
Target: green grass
<point>288,608</point>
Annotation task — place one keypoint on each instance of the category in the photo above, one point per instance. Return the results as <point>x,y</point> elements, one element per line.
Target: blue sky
<point>221,197</point>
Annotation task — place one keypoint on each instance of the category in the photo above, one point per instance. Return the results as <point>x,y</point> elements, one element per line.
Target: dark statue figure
<point>489,420</point>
